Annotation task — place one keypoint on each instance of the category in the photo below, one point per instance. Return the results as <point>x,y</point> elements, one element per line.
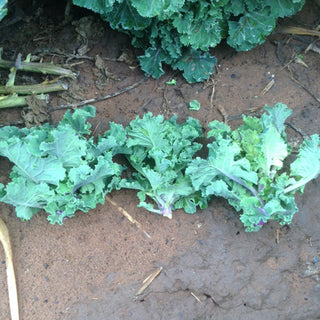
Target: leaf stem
<point>242,183</point>
<point>34,89</point>
<point>44,68</point>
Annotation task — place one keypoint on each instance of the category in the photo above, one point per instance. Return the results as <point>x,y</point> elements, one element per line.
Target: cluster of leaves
<point>62,169</point>
<point>246,166</point>
<point>181,32</point>
<point>160,151</point>
<point>59,169</point>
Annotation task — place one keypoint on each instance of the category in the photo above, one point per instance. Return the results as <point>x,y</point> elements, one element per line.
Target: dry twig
<point>93,100</point>
<point>303,86</point>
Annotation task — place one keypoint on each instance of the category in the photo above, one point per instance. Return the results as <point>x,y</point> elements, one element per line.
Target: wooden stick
<point>11,279</point>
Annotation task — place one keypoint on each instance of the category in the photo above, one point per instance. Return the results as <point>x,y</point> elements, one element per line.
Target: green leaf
<point>78,119</point>
<point>250,30</point>
<point>152,8</point>
<point>196,67</point>
<point>274,150</point>
<point>223,162</point>
<point>28,197</point>
<point>37,169</point>
<point>113,140</point>
<point>147,132</point>
<point>276,117</point>
<point>84,175</point>
<point>66,146</point>
<point>98,6</point>
<point>219,130</point>
<point>166,37</point>
<point>126,18</point>
<point>307,165</point>
<point>8,132</point>
<point>284,8</point>
<point>190,203</point>
<point>243,166</point>
<point>194,105</point>
<point>172,31</point>
<point>201,27</point>
<point>151,62</point>
<point>235,8</point>
<point>172,82</point>
<point>3,9</point>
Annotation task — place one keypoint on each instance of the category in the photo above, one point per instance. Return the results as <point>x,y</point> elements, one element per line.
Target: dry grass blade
<point>301,62</point>
<point>12,287</point>
<point>268,86</point>
<point>313,47</point>
<point>299,31</point>
<point>278,236</point>
<point>128,216</point>
<point>196,297</point>
<point>146,282</point>
<point>304,87</point>
<point>224,113</point>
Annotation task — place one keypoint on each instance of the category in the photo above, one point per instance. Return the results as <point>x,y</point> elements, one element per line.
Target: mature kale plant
<point>160,150</point>
<point>59,169</point>
<point>181,32</point>
<point>246,167</point>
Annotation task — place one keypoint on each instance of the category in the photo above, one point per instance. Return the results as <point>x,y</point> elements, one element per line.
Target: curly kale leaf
<point>250,30</point>
<point>98,6</point>
<point>3,9</point>
<point>27,196</point>
<point>195,66</point>
<point>151,61</point>
<point>307,165</point>
<point>200,26</point>
<point>153,8</point>
<point>124,17</point>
